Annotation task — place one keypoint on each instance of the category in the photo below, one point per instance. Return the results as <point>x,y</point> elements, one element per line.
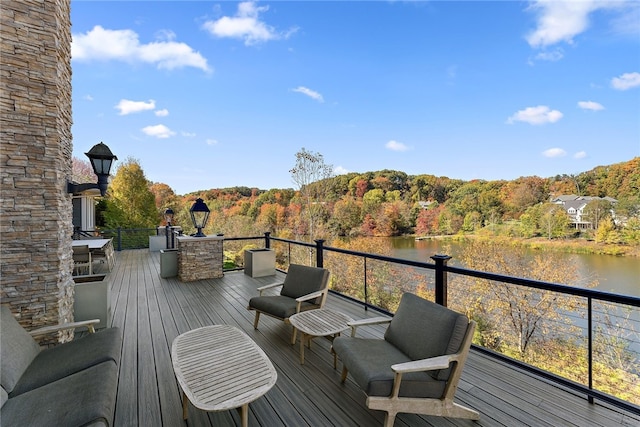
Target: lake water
<point>620,275</point>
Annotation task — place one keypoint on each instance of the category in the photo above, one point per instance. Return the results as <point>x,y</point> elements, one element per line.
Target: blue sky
<point>219,94</point>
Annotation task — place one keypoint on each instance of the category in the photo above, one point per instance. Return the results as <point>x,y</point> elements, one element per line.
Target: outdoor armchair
<point>417,366</point>
<point>304,288</point>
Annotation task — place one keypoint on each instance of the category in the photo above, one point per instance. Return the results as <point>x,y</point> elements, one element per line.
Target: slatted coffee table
<point>219,368</point>
<point>319,323</point>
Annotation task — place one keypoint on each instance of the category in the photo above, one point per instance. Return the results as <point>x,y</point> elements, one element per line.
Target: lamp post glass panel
<point>101,159</point>
<point>199,216</point>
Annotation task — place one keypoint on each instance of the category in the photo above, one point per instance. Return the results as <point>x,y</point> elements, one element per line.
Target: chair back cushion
<point>302,280</point>
<point>422,329</point>
<point>17,350</point>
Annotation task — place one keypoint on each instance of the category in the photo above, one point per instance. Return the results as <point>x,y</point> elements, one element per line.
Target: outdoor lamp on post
<point>101,159</point>
<point>168,217</point>
<point>199,216</point>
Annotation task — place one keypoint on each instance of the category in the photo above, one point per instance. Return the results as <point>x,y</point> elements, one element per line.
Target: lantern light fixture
<point>168,216</point>
<point>199,216</point>
<point>101,159</point>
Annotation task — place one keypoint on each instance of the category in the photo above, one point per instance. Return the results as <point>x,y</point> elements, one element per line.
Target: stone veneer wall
<point>199,258</point>
<point>35,162</point>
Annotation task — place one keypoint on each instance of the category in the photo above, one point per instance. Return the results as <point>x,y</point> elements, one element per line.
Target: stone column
<point>35,162</point>
<point>199,258</point>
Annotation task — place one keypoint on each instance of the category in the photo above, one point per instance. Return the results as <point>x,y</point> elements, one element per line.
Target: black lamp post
<point>101,159</point>
<point>199,216</point>
<point>168,217</point>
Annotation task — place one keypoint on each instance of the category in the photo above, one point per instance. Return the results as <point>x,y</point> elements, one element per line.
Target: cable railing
<point>585,340</point>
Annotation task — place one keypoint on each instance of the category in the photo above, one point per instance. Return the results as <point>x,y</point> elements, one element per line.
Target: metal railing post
<point>441,278</point>
<point>366,288</point>
<point>119,238</point>
<point>319,252</point>
<point>267,239</point>
<point>590,345</point>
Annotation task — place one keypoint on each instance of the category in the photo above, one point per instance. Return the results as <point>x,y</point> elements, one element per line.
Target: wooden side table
<point>322,322</point>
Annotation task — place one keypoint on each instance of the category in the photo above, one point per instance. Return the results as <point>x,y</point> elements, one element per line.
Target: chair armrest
<point>430,364</point>
<point>265,287</point>
<point>312,295</point>
<point>63,326</point>
<point>307,297</point>
<point>367,322</point>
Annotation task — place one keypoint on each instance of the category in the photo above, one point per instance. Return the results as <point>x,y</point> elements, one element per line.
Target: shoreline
<point>580,246</point>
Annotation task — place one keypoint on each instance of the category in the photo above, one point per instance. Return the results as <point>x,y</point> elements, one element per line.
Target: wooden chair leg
<point>345,372</point>
<point>256,320</point>
<point>389,419</point>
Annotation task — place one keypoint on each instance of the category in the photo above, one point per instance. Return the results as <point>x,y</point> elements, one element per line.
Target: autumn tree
<point>81,171</point>
<point>347,216</point>
<point>312,176</point>
<point>520,316</point>
<point>130,202</point>
<point>165,197</point>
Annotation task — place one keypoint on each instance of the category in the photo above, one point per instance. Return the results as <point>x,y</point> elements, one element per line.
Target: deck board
<point>152,311</point>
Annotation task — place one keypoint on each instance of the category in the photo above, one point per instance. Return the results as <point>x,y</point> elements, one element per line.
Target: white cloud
<point>626,81</point>
<point>310,93</point>
<point>551,56</point>
<point>396,146</point>
<point>559,21</point>
<point>339,170</point>
<point>127,106</point>
<point>580,155</point>
<point>123,45</point>
<point>188,134</point>
<point>158,131</point>
<point>211,141</point>
<point>88,98</point>
<point>554,152</point>
<point>246,25</point>
<point>162,113</point>
<point>590,105</point>
<point>536,115</point>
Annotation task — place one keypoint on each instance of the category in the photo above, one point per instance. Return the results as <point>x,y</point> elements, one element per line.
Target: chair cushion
<point>84,398</point>
<point>422,329</point>
<point>369,363</point>
<point>277,305</point>
<point>65,359</point>
<point>17,350</point>
<point>302,280</point>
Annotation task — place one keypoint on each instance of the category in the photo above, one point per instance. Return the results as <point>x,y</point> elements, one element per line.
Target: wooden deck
<point>152,311</point>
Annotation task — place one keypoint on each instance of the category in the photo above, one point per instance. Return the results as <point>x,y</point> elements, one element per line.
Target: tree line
<point>386,203</point>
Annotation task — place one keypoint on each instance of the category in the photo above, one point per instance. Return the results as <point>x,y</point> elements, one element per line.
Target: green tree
<point>130,203</point>
<point>554,221</point>
<point>347,216</point>
<point>597,210</point>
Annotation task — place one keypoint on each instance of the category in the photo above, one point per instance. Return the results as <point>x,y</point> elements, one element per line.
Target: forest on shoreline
<point>391,203</point>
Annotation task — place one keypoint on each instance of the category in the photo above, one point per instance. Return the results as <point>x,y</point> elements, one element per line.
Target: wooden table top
<point>320,322</point>
<point>92,243</point>
<point>219,367</point>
